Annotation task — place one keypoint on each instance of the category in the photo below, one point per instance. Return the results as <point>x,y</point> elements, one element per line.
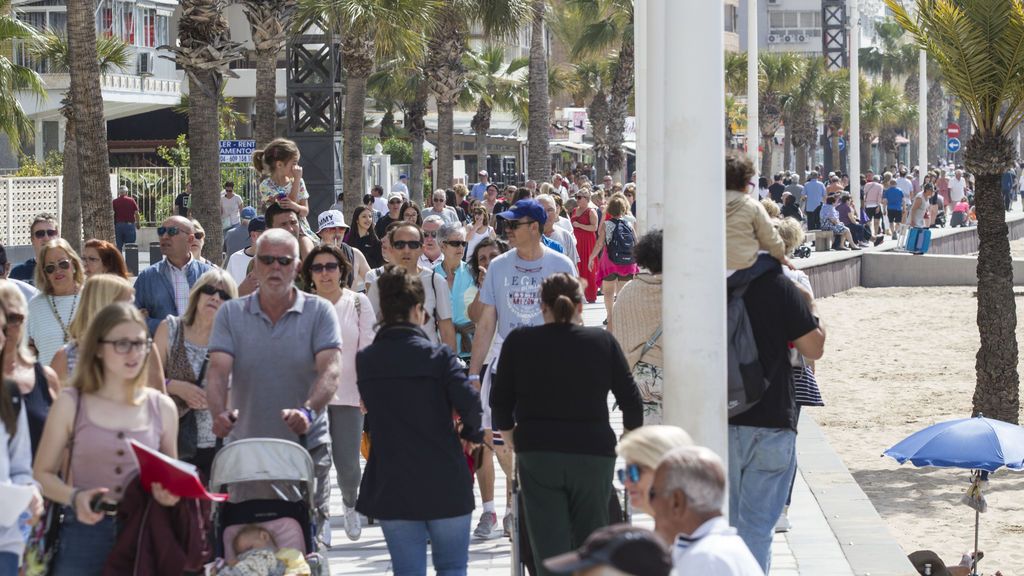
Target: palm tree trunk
<point>767,150</point>
<point>802,152</point>
<point>936,109</point>
<point>481,123</point>
<point>996,393</point>
<point>834,145</point>
<point>204,166</point>
<point>352,126</point>
<point>618,102</point>
<point>71,217</point>
<point>414,123</point>
<point>266,96</point>
<point>787,151</point>
<point>865,151</point>
<point>539,162</point>
<point>445,144</point>
<point>91,141</point>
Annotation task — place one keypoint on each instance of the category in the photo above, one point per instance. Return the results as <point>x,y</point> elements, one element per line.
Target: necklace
<point>56,314</point>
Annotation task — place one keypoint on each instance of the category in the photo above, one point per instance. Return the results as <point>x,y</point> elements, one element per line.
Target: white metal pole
<point>753,123</point>
<point>693,307</point>
<point>853,138</point>
<point>653,186</point>
<point>641,62</point>
<point>922,115</point>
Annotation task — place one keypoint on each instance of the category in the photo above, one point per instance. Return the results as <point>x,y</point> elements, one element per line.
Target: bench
<point>822,240</point>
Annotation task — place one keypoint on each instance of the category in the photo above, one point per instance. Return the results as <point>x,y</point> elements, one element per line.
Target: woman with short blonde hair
<point>59,278</point>
<point>643,449</point>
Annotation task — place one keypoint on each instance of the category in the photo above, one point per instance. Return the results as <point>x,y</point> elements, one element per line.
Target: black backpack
<point>746,382</point>
<point>620,247</point>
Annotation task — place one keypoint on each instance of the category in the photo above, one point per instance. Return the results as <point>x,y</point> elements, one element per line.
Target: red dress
<point>585,241</point>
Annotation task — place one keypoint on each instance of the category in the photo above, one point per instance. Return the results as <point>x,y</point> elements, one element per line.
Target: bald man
<point>162,289</point>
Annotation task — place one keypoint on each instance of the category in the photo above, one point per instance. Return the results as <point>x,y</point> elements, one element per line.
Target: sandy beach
<point>898,360</point>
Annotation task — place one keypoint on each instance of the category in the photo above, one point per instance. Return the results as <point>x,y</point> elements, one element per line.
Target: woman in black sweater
<point>417,480</point>
<point>555,416</point>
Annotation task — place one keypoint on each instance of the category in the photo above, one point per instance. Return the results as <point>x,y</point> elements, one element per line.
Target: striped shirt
<point>181,288</point>
<point>44,330</point>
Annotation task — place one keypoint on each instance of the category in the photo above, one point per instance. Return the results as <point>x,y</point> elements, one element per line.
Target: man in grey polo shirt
<point>281,351</point>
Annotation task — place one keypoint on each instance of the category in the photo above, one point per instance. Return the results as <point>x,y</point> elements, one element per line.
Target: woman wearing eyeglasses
<point>59,278</point>
<point>106,404</point>
<point>642,449</point>
<point>323,270</point>
<point>37,383</point>
<point>585,221</point>
<point>181,343</point>
<point>199,240</point>
<point>454,270</point>
<point>102,257</point>
<point>554,415</point>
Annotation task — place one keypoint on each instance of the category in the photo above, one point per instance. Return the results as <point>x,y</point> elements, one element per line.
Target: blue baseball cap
<point>257,224</point>
<point>248,213</point>
<point>525,208</point>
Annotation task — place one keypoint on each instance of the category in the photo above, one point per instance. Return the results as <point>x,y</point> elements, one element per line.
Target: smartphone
<point>98,504</point>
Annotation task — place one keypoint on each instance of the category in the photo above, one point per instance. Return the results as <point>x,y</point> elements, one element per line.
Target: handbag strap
<point>651,342</point>
<point>71,440</point>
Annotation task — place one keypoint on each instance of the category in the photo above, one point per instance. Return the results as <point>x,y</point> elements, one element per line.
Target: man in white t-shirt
<point>379,203</point>
<point>957,187</point>
<point>230,207</point>
<point>238,262</point>
<point>687,497</point>
<point>400,187</point>
<point>906,185</point>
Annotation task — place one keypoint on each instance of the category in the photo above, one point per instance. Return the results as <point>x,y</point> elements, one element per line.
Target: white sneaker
<point>485,528</point>
<point>353,524</point>
<point>782,524</point>
<point>506,525</point>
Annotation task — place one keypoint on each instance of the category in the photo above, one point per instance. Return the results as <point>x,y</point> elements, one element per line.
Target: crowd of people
<point>428,341</point>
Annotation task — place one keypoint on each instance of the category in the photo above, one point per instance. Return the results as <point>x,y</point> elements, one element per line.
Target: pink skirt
<point>606,268</point>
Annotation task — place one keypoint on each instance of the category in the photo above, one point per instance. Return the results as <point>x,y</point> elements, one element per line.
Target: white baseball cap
<point>330,219</point>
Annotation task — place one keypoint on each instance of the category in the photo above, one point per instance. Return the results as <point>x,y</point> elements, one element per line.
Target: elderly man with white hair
<point>687,497</point>
<point>564,238</point>
<point>281,350</point>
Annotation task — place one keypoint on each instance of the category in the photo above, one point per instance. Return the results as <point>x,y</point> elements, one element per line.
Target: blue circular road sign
<point>842,144</point>
<point>953,144</point>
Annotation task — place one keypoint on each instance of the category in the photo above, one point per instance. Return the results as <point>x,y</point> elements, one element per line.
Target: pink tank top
<point>102,458</point>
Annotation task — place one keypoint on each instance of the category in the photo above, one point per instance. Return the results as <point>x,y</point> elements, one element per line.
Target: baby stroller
<point>270,482</point>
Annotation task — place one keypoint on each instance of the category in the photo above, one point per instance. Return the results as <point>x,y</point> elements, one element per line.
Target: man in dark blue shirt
<point>1009,179</point>
<point>893,197</point>
<point>45,227</point>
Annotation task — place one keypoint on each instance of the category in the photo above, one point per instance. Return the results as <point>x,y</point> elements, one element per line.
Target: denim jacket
<point>154,289</point>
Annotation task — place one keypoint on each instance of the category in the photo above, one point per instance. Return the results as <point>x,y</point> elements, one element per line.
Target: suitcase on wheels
<point>919,240</point>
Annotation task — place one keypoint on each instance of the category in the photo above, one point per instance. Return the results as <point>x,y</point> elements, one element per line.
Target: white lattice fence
<point>23,199</point>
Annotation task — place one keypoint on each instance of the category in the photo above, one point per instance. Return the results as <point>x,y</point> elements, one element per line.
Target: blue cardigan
<point>154,290</point>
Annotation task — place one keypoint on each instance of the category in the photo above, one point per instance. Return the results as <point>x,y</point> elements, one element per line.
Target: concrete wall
<point>884,269</point>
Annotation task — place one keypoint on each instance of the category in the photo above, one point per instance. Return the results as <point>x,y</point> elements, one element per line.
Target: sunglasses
<point>171,231</point>
<point>328,266</point>
<point>438,199</point>
<point>128,346</point>
<point>44,233</point>
<point>15,319</point>
<point>410,244</point>
<point>199,235</point>
<point>210,290</point>
<point>456,243</point>
<point>631,472</point>
<point>430,234</point>
<point>63,264</point>
<point>515,224</point>
<point>282,260</point>
<point>394,201</point>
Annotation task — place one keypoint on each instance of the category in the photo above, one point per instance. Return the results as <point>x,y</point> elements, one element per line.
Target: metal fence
<point>156,188</point>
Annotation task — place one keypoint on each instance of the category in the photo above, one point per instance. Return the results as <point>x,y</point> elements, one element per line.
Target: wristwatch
<point>310,413</point>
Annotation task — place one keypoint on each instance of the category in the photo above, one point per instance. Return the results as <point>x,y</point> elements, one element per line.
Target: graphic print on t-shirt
<point>523,292</point>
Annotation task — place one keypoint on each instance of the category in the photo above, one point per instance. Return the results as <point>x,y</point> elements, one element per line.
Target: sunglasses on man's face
<point>199,235</point>
<point>515,224</point>
<point>328,266</point>
<point>631,472</point>
<point>410,244</point>
<point>210,290</point>
<point>394,201</point>
<point>171,231</point>
<point>40,234</point>
<point>427,234</point>
<point>63,264</point>
<point>456,243</point>
<point>269,260</point>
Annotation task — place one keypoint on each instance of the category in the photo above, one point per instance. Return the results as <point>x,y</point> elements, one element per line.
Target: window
<point>128,24</point>
<point>148,17</point>
<point>162,28</point>
<point>783,19</point>
<point>810,19</point>
<point>730,18</point>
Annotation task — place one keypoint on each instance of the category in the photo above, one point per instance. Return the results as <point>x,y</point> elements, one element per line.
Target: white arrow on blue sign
<point>842,144</point>
<point>953,144</point>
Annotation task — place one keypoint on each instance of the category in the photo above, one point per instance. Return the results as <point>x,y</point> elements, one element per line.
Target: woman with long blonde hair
<point>106,404</point>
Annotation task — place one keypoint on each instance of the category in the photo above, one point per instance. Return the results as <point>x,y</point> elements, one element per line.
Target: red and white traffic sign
<point>953,130</point>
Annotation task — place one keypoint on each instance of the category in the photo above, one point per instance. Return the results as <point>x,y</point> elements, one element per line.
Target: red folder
<point>177,477</point>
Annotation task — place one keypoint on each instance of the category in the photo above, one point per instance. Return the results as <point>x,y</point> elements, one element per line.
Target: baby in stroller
<point>257,554</point>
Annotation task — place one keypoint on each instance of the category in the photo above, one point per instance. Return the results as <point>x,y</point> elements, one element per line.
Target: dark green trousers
<point>566,498</point>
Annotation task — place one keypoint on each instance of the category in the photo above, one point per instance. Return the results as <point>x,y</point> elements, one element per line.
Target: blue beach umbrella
<point>979,444</point>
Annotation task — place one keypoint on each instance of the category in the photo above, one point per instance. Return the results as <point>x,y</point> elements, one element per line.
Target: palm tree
<point>14,78</point>
<point>269,22</point>
<point>113,54</point>
<point>370,31</point>
<point>227,116</point>
<point>610,24</point>
<point>891,55</point>
<point>491,84</point>
<point>539,155</point>
<point>799,110</point>
<point>834,97</point>
<point>778,72</point>
<point>736,72</point>
<point>446,73</point>
<point>879,108</point>
<point>976,44</point>
<point>91,136</point>
<point>205,50</point>
<point>401,81</point>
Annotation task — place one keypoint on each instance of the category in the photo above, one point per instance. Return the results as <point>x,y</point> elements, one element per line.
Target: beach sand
<point>898,360</point>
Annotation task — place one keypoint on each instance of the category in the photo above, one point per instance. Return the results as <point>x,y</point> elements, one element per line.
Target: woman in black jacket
<point>556,415</point>
<point>417,481</point>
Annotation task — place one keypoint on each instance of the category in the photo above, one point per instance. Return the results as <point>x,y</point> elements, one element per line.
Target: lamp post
<point>853,146</point>
<point>922,116</point>
<point>753,122</point>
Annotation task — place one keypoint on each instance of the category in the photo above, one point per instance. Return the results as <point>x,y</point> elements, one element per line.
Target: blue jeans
<point>83,549</point>
<point>8,564</point>
<point>761,465</point>
<point>124,233</point>
<point>407,545</point>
